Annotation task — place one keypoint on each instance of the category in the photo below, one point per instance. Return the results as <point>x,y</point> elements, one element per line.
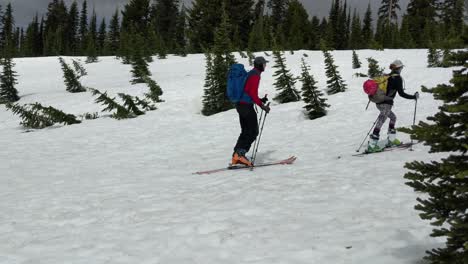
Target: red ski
<point>287,161</point>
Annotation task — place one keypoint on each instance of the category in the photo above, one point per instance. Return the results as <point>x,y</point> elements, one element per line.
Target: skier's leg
<point>385,110</point>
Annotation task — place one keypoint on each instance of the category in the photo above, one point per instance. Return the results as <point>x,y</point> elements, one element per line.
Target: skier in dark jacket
<point>394,86</point>
<point>248,115</point>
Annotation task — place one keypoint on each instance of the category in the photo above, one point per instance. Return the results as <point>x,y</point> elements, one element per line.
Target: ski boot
<point>392,141</point>
<point>373,146</point>
<point>239,159</point>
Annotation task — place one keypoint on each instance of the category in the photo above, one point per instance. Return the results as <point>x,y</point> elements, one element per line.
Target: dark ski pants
<point>385,112</point>
<point>249,127</point>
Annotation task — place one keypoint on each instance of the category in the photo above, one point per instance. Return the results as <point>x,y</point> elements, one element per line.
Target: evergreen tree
<point>155,90</point>
<point>355,41</point>
<point>241,17</point>
<point>56,28</point>
<point>451,13</point>
<point>72,29</point>
<point>203,17</point>
<point>7,25</point>
<point>136,14</point>
<point>374,69</point>
<point>356,62</point>
<point>314,38</point>
<point>114,34</point>
<point>31,45</point>
<point>37,116</point>
<point>111,105</point>
<point>130,104</point>
<point>71,78</point>
<point>367,31</point>
<point>91,46</point>
<point>387,11</point>
<point>257,39</point>
<point>222,60</point>
<point>8,92</point>
<point>180,32</point>
<point>433,57</point>
<point>406,40</point>
<point>165,14</point>
<point>278,14</point>
<point>445,183</point>
<point>421,18</point>
<point>101,38</point>
<point>335,83</point>
<point>30,118</point>
<point>284,81</point>
<point>139,65</point>
<point>295,25</point>
<point>83,27</point>
<point>315,105</point>
<point>210,88</point>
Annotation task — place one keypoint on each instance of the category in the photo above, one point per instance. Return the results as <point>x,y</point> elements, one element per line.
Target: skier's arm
<point>399,87</point>
<point>251,89</point>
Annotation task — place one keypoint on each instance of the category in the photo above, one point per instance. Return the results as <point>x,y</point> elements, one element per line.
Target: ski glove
<point>416,96</point>
<point>265,108</point>
<point>264,99</point>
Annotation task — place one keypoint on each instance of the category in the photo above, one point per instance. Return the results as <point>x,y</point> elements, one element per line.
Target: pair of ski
<point>287,161</point>
<point>397,147</point>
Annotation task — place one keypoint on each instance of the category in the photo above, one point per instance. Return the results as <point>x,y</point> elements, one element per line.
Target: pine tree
<point>421,18</point>
<point>203,17</point>
<point>130,104</point>
<point>374,69</point>
<point>72,29</point>
<point>101,38</point>
<point>433,57</point>
<point>295,25</point>
<point>8,92</point>
<point>114,34</point>
<point>210,89</point>
<point>7,32</point>
<point>387,11</point>
<point>222,61</point>
<point>155,90</point>
<point>445,183</point>
<point>451,13</point>
<point>284,81</point>
<point>315,105</point>
<point>83,27</point>
<point>165,15</point>
<point>356,62</point>
<point>91,46</point>
<point>257,39</point>
<point>71,78</point>
<point>355,41</point>
<point>180,32</point>
<point>37,116</point>
<point>335,83</point>
<point>367,31</point>
<point>111,105</point>
<point>139,65</point>
<point>29,118</point>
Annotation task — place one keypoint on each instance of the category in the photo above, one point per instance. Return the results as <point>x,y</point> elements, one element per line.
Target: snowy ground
<point>108,191</point>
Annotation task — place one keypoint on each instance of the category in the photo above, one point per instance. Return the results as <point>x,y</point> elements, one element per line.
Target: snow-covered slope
<point>108,191</point>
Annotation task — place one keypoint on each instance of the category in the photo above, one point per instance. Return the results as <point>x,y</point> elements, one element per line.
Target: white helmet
<point>397,64</point>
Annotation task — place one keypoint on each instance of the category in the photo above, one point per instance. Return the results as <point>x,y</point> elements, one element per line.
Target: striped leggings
<point>385,112</point>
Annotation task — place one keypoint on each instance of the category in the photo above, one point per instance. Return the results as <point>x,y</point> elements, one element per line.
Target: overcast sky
<point>24,10</point>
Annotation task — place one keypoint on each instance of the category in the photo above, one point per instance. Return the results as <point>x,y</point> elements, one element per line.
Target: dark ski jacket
<point>394,86</point>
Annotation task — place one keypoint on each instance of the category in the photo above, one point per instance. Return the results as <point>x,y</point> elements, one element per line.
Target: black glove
<point>265,108</point>
<point>416,95</point>
<point>264,99</point>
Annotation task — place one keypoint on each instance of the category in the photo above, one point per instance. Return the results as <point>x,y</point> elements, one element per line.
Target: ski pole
<point>255,142</point>
<point>367,135</point>
<point>259,137</point>
<point>367,105</point>
<point>414,121</point>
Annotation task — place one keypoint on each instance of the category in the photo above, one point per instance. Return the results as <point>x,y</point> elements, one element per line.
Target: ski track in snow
<point>108,191</point>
